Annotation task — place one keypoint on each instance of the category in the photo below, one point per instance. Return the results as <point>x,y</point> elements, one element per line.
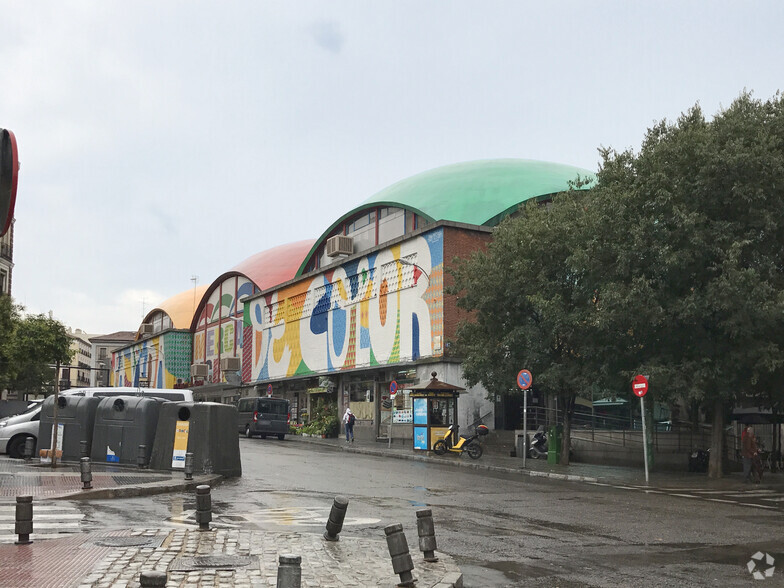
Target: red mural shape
<point>382,301</point>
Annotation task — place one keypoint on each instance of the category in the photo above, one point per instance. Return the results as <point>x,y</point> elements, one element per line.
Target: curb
<point>463,464</point>
<point>132,491</point>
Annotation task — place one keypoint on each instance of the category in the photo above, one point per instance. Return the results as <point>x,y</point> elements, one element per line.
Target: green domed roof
<point>476,192</point>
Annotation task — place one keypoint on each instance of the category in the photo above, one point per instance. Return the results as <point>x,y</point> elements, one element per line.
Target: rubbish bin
<point>521,443</point>
<point>122,423</point>
<point>208,430</point>
<point>75,419</point>
<point>554,445</point>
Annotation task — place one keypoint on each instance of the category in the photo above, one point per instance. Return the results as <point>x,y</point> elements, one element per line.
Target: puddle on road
<point>502,574</point>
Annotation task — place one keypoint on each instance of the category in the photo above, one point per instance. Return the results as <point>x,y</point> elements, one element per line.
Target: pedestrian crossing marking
<point>49,521</point>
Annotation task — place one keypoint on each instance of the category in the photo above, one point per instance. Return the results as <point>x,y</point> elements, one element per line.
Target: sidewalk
<point>496,458</point>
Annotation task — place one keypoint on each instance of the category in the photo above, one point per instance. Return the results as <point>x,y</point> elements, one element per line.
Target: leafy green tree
<point>532,304</point>
<point>9,318</point>
<point>691,257</point>
<point>38,343</point>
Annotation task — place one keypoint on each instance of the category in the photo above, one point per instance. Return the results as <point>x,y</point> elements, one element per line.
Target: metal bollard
<point>153,579</point>
<point>402,563</point>
<point>87,475</point>
<point>335,520</point>
<point>427,534</point>
<point>141,456</point>
<point>289,571</point>
<point>29,448</point>
<point>189,466</point>
<point>83,449</point>
<point>203,507</point>
<point>23,526</point>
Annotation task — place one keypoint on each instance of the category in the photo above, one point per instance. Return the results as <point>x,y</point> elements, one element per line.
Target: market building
<point>344,319</point>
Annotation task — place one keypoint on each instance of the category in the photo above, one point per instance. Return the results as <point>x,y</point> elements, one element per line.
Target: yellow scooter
<point>468,444</point>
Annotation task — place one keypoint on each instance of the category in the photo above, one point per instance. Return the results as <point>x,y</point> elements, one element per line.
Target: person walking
<point>748,452</point>
<point>348,421</point>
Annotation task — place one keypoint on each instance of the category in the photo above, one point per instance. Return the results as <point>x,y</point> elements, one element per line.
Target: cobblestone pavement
<point>218,557</point>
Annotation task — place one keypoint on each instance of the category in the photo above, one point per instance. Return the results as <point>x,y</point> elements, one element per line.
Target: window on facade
<point>3,280</point>
<point>361,391</point>
<point>391,224</point>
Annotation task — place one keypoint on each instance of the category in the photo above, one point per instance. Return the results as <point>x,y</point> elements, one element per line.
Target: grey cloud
<point>328,36</point>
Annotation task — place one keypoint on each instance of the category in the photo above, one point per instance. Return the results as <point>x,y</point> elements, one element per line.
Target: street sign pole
<point>525,426</point>
<point>644,437</point>
<point>524,381</point>
<point>640,388</point>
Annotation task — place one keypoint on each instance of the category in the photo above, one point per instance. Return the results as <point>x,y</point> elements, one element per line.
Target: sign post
<point>640,388</point>
<point>392,392</point>
<point>524,379</point>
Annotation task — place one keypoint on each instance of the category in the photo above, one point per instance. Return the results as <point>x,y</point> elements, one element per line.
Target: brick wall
<point>460,243</point>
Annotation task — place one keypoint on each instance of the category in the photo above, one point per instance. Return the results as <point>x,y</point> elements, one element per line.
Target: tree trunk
<point>715,469</point>
<point>566,440</point>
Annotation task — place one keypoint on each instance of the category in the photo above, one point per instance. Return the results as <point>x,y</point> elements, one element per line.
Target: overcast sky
<point>164,140</point>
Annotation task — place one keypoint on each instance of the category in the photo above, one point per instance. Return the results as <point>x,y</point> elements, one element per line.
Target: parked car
<point>262,416</point>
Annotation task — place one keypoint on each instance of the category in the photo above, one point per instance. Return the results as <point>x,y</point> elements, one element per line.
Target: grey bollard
<point>335,520</point>
<point>189,466</point>
<point>289,571</point>
<point>203,507</point>
<point>427,534</point>
<point>87,475</point>
<point>23,526</point>
<point>402,563</point>
<point>29,448</point>
<point>151,579</point>
<point>141,456</point>
<point>83,449</point>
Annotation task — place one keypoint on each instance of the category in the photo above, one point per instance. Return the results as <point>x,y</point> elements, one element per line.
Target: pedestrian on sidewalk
<point>348,421</point>
<point>748,452</point>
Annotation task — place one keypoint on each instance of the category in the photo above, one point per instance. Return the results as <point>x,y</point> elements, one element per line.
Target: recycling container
<point>75,419</point>
<point>122,423</point>
<point>208,430</point>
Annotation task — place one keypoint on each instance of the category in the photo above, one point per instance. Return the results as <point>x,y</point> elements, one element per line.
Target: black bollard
<point>141,456</point>
<point>29,448</point>
<point>289,571</point>
<point>153,579</point>
<point>23,526</point>
<point>402,563</point>
<point>189,466</point>
<point>87,475</point>
<point>335,520</point>
<point>427,534</point>
<point>203,507</point>
<point>83,449</point>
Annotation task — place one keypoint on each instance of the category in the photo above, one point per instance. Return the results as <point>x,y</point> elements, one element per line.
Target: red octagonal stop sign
<point>640,386</point>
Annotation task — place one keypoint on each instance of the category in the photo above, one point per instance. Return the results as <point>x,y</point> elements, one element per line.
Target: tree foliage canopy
<point>672,265</point>
<point>29,346</point>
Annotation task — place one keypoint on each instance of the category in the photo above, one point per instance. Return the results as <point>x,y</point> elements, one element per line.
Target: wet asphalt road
<point>501,529</point>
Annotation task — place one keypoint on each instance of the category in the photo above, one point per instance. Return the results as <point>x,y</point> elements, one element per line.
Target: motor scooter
<point>538,447</point>
<point>451,442</point>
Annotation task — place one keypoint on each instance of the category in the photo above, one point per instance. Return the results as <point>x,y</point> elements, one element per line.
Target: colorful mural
<point>160,362</point>
<point>383,308</point>
<point>219,330</point>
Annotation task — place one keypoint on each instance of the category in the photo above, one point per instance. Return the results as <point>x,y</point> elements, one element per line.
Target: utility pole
<point>54,413</point>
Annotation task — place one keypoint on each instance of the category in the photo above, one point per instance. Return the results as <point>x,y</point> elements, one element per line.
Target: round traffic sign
<point>392,387</point>
<point>524,379</point>
<point>269,389</point>
<point>640,385</point>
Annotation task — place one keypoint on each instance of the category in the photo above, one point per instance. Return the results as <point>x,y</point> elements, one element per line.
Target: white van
<point>183,395</point>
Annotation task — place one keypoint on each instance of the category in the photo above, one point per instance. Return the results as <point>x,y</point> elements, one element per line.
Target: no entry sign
<point>640,386</point>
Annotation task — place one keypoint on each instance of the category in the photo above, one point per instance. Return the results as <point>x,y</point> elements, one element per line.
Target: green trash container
<point>554,445</point>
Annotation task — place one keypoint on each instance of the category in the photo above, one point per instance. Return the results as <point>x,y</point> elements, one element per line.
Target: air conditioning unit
<point>200,370</point>
<point>230,364</point>
<point>340,245</point>
<point>146,329</point>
